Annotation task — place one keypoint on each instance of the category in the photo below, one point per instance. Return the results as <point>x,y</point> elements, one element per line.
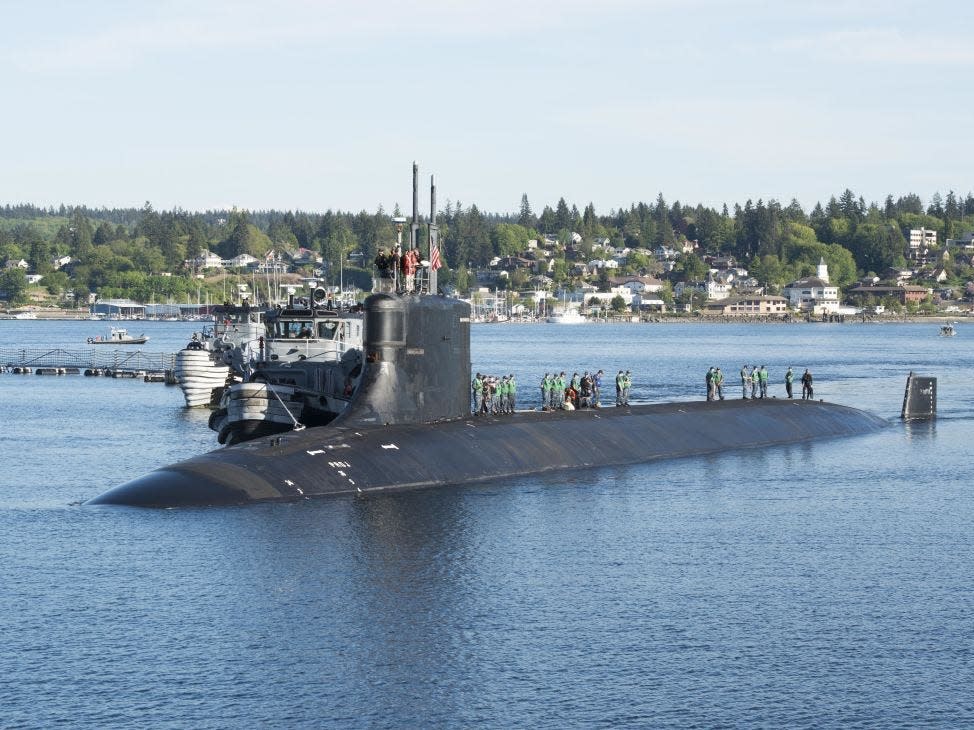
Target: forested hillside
<point>142,253</point>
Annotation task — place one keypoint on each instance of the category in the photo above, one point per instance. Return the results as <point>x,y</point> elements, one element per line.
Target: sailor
<point>511,393</point>
<point>745,381</point>
<point>710,383</point>
<point>559,391</point>
<point>620,378</point>
<point>755,379</point>
<point>626,387</point>
<point>807,385</point>
<point>571,398</point>
<point>789,377</point>
<point>384,263</point>
<point>576,382</point>
<point>596,389</point>
<point>585,397</point>
<point>719,384</point>
<point>763,376</point>
<point>490,390</point>
<point>545,392</point>
<point>409,263</point>
<point>478,393</point>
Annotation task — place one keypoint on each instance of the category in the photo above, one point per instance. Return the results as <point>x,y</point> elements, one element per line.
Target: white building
<point>242,261</point>
<point>601,298</point>
<point>922,238</point>
<point>208,260</point>
<point>596,264</point>
<point>814,294</point>
<point>638,284</point>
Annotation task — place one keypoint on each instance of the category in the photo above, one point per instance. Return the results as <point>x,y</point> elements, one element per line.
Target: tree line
<point>123,252</point>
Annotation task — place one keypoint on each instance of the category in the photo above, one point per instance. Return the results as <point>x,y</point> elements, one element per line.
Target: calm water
<point>820,585</point>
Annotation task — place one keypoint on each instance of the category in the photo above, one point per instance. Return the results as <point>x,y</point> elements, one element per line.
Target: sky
<point>317,105</point>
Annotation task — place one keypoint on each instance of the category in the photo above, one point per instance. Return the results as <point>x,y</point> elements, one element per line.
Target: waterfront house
<point>902,293</point>
<point>814,294</point>
<point>749,306</point>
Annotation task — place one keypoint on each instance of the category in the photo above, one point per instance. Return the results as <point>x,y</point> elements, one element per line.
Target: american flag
<point>435,262</point>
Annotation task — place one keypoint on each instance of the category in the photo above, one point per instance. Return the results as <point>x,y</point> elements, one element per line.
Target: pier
<point>151,366</point>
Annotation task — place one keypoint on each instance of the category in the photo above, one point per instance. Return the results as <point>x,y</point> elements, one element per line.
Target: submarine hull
<point>408,426</point>
<point>352,459</point>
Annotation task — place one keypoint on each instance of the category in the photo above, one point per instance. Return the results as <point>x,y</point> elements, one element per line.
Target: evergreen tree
<point>103,234</point>
<point>563,215</point>
<point>526,218</point>
<point>889,208</point>
<point>548,222</point>
<point>590,221</point>
<point>81,236</point>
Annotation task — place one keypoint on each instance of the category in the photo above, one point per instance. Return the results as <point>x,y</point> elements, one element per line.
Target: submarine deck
<point>338,459</point>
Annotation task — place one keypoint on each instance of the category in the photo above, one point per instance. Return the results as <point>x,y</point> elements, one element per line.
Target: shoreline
<point>80,315</point>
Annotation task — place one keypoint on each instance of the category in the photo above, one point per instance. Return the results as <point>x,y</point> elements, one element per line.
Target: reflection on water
<point>920,430</point>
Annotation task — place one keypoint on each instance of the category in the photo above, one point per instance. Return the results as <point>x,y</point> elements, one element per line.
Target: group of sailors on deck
<point>493,395</point>
<point>404,263</point>
<point>754,383</point>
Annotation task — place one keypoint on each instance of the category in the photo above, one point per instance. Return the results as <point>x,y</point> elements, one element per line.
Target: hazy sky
<point>294,104</point>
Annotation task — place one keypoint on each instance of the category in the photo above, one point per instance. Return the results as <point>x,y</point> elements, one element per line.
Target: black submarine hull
<point>408,426</point>
<point>350,459</point>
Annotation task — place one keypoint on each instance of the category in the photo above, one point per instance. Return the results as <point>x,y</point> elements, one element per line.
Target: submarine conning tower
<point>417,362</point>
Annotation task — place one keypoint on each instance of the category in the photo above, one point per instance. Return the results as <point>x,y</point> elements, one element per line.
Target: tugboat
<point>307,369</point>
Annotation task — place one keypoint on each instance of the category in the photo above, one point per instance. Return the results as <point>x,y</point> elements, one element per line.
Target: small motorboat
<point>118,336</point>
<point>947,330</point>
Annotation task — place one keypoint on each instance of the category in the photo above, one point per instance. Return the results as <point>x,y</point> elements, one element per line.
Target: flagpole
<point>434,244</point>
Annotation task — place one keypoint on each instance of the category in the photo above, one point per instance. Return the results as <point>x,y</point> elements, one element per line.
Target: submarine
<point>409,426</point>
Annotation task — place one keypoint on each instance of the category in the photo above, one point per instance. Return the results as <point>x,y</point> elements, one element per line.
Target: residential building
<point>637,284</point>
<point>242,261</point>
<point>965,242</point>
<point>814,294</point>
<point>921,238</point>
<point>305,256</point>
<point>208,260</point>
<point>903,293</point>
<point>749,306</point>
